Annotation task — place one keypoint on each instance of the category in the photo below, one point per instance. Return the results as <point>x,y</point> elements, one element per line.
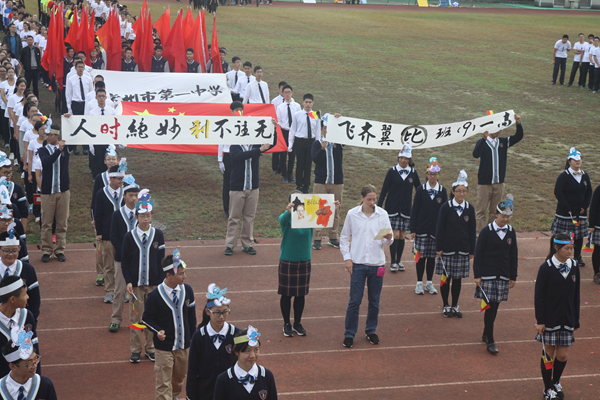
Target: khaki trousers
<point>336,190</point>
<point>488,197</point>
<point>119,300</point>
<point>242,206</point>
<point>135,337</point>
<point>99,260</point>
<point>171,370</point>
<point>108,266</point>
<point>55,206</point>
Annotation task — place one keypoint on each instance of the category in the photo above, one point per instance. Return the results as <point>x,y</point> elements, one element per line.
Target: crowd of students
<point>586,61</point>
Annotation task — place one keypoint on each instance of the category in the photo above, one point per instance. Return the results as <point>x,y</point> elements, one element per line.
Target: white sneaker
<point>419,288</point>
<point>550,394</point>
<point>394,267</point>
<point>401,267</point>
<point>11,156</point>
<point>430,288</point>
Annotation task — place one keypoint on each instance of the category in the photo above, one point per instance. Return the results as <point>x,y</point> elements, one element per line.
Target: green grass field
<point>399,67</point>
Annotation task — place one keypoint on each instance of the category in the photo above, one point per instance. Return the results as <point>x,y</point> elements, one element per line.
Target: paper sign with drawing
<point>312,210</point>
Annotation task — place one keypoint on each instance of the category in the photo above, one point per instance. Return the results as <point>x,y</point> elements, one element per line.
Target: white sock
<point>428,282</point>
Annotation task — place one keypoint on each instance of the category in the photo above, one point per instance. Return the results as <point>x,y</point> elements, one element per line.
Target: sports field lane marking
<point>427,385</point>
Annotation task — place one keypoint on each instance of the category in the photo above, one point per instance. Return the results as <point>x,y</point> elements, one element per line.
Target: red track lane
<point>421,355</point>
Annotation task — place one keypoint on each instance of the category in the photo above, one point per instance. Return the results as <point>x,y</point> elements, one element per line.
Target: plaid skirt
<point>496,290</point>
<point>556,338</point>
<point>561,225</point>
<point>399,223</point>
<point>294,278</point>
<point>426,245</point>
<point>457,266</point>
<point>595,237</point>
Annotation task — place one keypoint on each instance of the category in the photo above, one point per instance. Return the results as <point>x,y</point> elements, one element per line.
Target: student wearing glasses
<point>210,351</point>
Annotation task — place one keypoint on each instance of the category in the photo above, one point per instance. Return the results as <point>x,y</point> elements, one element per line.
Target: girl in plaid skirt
<point>557,309</point>
<point>495,266</point>
<point>573,190</point>
<point>594,229</point>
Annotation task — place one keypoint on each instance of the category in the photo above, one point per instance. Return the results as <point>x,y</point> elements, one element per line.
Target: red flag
<point>444,280</point>
<point>204,41</point>
<point>84,41</point>
<point>110,37</point>
<point>174,47</point>
<point>196,43</point>
<point>188,25</point>
<point>175,109</point>
<point>214,50</point>
<point>144,8</point>
<point>418,256</point>
<point>146,46</point>
<point>163,25</point>
<point>73,30</point>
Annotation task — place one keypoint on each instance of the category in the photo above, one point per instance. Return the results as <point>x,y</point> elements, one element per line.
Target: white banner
<point>157,87</point>
<point>155,129</point>
<point>380,135</point>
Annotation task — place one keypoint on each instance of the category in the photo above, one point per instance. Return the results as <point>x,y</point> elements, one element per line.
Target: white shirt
<point>13,100</point>
<point>587,47</point>
<point>73,92</point>
<point>223,148</point>
<point>19,25</point>
<point>455,204</point>
<point>141,233</point>
<point>363,230</point>
<point>86,71</point>
<point>278,100</point>
<point>282,114</point>
<point>240,373</point>
<point>399,169</point>
<point>4,320</point>
<point>8,90</point>
<point>11,269</point>
<point>501,234</point>
<point>595,56</point>
<point>492,140</point>
<point>243,81</point>
<point>436,188</point>
<point>41,42</point>
<point>231,83</point>
<point>299,128</point>
<point>562,48</point>
<point>93,103</point>
<point>252,94</point>
<point>169,291</point>
<point>98,111</point>
<point>34,146</point>
<point>578,46</point>
<point>14,386</point>
<point>557,263</point>
<point>211,332</point>
<point>578,176</point>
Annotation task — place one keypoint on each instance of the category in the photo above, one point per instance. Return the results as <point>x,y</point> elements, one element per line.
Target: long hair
<point>559,236</point>
<point>240,347</point>
<point>205,317</point>
<point>365,191</point>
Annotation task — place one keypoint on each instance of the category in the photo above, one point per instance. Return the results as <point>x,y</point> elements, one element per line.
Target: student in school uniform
<point>573,191</point>
<point>10,265</point>
<point>111,158</point>
<point>127,63</point>
<point>246,379</point>
<point>276,102</point>
<point>109,200</point>
<point>123,221</point>
<point>170,311</point>
<point>557,301</point>
<point>561,47</point>
<point>455,243</point>
<point>423,221</point>
<point>15,191</point>
<point>595,65</point>
<point>398,188</point>
<point>193,66</point>
<point>305,129</point>
<point>142,254</point>
<point>7,218</point>
<point>243,192</point>
<point>224,160</point>
<point>495,266</point>
<point>13,299</point>
<point>22,382</point>
<point>211,347</point>
<point>364,260</point>
<point>234,76</point>
<point>285,111</point>
<point>579,50</point>
<point>329,179</point>
<point>492,152</point>
<point>594,230</point>
<point>587,65</point>
<point>243,81</point>
<point>97,151</point>
<point>159,63</point>
<point>257,91</point>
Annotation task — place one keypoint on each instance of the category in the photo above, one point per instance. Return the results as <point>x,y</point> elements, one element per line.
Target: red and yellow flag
<point>548,362</point>
<point>137,327</point>
<point>313,115</point>
<point>489,112</point>
<point>239,113</point>
<point>484,305</point>
<point>418,255</point>
<point>444,280</point>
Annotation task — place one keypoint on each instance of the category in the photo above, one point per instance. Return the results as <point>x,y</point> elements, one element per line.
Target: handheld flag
<point>548,362</point>
<point>137,327</point>
<point>575,221</point>
<point>485,303</point>
<point>489,112</point>
<point>418,255</point>
<point>444,279</point>
<point>588,248</point>
<point>239,113</point>
<point>313,115</point>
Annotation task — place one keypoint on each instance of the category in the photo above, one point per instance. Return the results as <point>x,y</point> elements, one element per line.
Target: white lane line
<point>428,385</point>
<point>238,322</point>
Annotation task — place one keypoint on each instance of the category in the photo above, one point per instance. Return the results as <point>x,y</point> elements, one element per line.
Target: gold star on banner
<point>182,113</point>
<point>172,109</point>
<point>145,112</point>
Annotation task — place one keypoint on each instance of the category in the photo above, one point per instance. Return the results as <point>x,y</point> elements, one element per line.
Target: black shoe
<point>316,245</point>
<point>276,172</point>
<point>99,281</point>
<point>299,329</point>
<point>456,313</point>
<point>284,179</point>
<point>334,243</point>
<point>569,85</point>
<point>228,251</point>
<point>249,250</point>
<point>226,215</point>
<point>45,258</point>
<point>558,390</point>
<point>484,338</point>
<point>580,262</point>
<point>491,347</point>
<point>448,312</point>
<point>85,152</point>
<point>151,356</point>
<point>135,358</point>
<point>373,338</point>
<point>348,342</point>
<point>113,328</point>
<point>291,178</point>
<point>61,257</point>
<point>287,330</point>
<point>76,152</point>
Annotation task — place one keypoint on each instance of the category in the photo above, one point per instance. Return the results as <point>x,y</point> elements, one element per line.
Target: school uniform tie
<point>21,393</point>
<point>236,78</point>
<point>458,208</point>
<point>218,337</point>
<point>432,193</point>
<point>116,196</point>
<point>502,230</point>
<point>176,300</point>
<point>131,217</point>
<point>562,268</point>
<point>262,95</point>
<point>144,239</point>
<point>247,380</point>
<point>308,127</point>
<point>102,111</point>
<point>11,323</point>
<point>575,173</point>
<point>6,273</point>
<point>403,172</point>
<point>289,115</point>
<point>81,89</point>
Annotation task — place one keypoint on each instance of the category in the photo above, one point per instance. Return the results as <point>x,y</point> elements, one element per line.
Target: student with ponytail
<point>557,310</point>
<point>211,348</point>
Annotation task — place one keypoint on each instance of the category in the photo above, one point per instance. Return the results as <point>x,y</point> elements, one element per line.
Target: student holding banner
<point>557,302</point>
<point>305,129</point>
